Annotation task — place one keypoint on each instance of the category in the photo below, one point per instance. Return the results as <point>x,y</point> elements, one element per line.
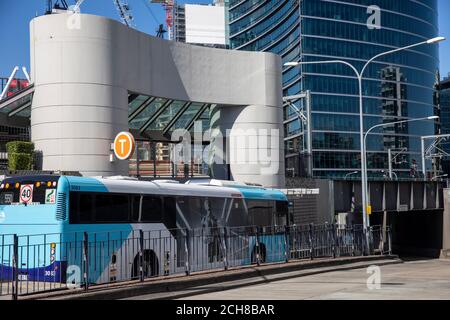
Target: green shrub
<point>19,161</point>
<point>20,147</point>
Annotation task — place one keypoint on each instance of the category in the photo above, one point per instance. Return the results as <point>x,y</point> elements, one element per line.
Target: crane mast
<point>122,7</point>
<point>124,12</point>
<point>168,6</point>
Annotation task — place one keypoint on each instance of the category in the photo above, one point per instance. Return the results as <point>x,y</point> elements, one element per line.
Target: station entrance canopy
<point>156,118</point>
<point>149,118</point>
<point>17,108</point>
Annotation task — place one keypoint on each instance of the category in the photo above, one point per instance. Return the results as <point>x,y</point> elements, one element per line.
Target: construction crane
<point>122,7</point>
<point>160,31</point>
<point>76,7</point>
<point>124,12</point>
<point>57,5</point>
<point>168,6</point>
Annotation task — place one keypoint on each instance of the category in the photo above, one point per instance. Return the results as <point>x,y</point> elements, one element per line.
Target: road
<point>416,279</point>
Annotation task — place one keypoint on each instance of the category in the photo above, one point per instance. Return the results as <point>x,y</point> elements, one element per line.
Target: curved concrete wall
<point>83,67</point>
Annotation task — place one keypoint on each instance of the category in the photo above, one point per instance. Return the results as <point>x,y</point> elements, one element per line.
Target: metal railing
<point>32,264</point>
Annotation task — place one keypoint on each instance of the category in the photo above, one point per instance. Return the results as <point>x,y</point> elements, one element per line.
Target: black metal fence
<point>40,263</point>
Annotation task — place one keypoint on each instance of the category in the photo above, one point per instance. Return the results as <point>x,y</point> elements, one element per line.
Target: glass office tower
<point>444,104</point>
<point>396,87</point>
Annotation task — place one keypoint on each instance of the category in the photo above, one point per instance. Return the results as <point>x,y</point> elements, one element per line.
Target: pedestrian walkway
<point>417,280</point>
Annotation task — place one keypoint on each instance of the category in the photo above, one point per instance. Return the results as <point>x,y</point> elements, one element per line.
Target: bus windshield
<point>28,190</point>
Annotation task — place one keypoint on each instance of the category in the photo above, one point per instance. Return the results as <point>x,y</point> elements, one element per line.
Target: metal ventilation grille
<point>61,207</point>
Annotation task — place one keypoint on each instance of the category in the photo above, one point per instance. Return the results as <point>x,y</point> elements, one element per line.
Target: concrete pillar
<point>83,67</point>
<point>445,252</point>
<point>78,106</point>
<point>252,141</point>
<point>76,130</point>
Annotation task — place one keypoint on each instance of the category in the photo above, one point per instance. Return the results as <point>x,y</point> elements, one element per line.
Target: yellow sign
<point>124,145</point>
<point>369,210</point>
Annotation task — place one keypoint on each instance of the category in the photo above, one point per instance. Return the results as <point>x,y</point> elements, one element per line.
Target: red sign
<point>26,193</point>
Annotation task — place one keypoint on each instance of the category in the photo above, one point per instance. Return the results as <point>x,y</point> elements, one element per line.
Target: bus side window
<point>170,213</point>
<point>260,212</point>
<point>111,208</point>
<point>237,216</point>
<point>151,209</point>
<point>282,212</point>
<point>135,203</point>
<point>81,206</point>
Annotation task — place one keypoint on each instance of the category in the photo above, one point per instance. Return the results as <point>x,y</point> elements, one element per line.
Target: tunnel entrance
<point>414,233</point>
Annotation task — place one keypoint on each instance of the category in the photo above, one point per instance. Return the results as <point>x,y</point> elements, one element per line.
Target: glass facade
<point>154,120</point>
<point>395,87</point>
<point>444,103</point>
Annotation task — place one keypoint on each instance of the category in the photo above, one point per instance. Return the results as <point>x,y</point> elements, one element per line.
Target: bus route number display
<point>26,193</point>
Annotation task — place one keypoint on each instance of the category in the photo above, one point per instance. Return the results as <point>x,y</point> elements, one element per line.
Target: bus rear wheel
<point>262,253</point>
<point>150,265</point>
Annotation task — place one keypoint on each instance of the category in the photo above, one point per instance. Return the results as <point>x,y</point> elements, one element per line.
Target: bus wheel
<point>150,265</point>
<point>262,253</point>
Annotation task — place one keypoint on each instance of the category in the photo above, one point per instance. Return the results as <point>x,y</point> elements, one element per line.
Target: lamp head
<point>433,118</point>
<point>436,40</point>
<point>291,64</point>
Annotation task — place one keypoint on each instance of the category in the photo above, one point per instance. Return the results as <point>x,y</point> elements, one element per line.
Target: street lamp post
<point>359,75</point>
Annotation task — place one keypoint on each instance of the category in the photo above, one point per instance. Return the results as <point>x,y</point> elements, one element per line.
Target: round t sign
<point>26,193</point>
<point>124,145</point>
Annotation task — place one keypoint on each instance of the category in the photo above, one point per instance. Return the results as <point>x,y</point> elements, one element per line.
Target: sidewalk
<point>204,282</point>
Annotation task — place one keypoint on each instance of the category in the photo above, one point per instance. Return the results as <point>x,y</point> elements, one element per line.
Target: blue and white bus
<point>51,215</point>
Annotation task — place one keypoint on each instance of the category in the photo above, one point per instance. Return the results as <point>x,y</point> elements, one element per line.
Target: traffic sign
<point>26,193</point>
<point>50,196</point>
<point>124,145</point>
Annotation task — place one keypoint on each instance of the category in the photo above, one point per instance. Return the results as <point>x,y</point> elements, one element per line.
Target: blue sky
<point>15,16</point>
